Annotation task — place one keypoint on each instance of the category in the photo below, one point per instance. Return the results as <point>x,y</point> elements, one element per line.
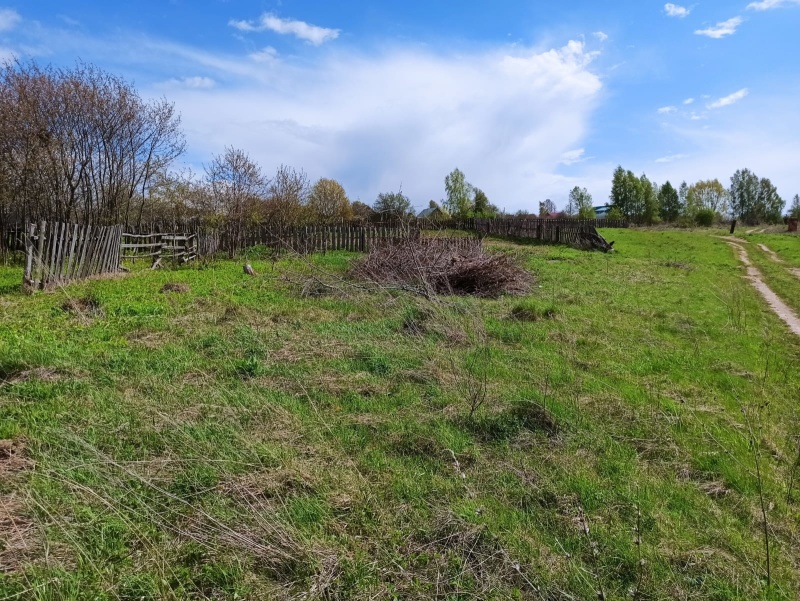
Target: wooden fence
<point>233,238</point>
<point>12,238</point>
<point>560,231</point>
<point>179,248</point>
<point>62,252</point>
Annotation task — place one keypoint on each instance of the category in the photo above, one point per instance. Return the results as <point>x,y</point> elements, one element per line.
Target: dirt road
<point>780,308</point>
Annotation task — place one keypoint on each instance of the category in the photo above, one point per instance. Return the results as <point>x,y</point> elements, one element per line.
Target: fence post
<point>39,269</point>
<point>27,277</point>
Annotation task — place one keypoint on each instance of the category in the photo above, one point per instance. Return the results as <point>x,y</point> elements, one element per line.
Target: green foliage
<point>649,200</point>
<point>459,194</point>
<point>626,194</point>
<point>481,206</point>
<point>754,200</point>
<point>393,205</point>
<point>794,211</point>
<point>670,203</point>
<point>614,214</point>
<point>710,194</point>
<point>704,217</point>
<point>636,198</point>
<point>580,203</point>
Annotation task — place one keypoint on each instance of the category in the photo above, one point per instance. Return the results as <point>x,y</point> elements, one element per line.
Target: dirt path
<point>733,239</point>
<point>771,253</point>
<point>780,308</point>
<point>794,271</point>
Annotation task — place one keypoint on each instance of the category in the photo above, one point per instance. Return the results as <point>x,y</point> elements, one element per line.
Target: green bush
<point>704,218</point>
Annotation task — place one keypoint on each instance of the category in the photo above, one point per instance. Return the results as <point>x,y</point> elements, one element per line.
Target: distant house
<point>433,213</point>
<point>601,212</point>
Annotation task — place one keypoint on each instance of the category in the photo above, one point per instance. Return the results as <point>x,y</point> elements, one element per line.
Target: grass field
<point>621,432</point>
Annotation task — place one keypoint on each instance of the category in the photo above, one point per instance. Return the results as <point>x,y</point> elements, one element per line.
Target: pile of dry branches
<point>442,266</point>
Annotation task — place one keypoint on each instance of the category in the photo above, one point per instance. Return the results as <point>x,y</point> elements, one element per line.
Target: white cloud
<point>676,10</point>
<point>196,83</point>
<point>671,158</point>
<point>722,29</point>
<point>572,156</point>
<point>770,4</point>
<point>267,55</point>
<point>728,100</point>
<point>688,101</point>
<point>665,110</point>
<point>508,117</point>
<point>300,29</point>
<point>600,36</point>
<point>9,19</point>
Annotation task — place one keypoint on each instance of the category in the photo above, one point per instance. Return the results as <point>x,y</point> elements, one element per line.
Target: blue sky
<point>527,98</point>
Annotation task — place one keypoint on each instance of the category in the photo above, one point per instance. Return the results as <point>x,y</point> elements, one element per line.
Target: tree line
<point>748,198</point>
<point>80,145</point>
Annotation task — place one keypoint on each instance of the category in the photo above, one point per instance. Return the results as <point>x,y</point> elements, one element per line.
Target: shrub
<point>704,218</point>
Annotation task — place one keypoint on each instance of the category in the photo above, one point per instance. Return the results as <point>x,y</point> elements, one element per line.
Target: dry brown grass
<point>442,266</point>
<point>20,541</point>
<point>175,287</point>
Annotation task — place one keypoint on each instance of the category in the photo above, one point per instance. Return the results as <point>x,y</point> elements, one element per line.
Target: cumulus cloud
<point>300,29</point>
<point>665,110</point>
<point>722,29</point>
<point>728,100</point>
<point>9,19</point>
<point>508,117</point>
<point>688,101</point>
<point>770,4</point>
<point>600,36</point>
<point>676,10</point>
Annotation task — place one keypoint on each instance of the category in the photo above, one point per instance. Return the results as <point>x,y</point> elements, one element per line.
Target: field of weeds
<point>629,429</point>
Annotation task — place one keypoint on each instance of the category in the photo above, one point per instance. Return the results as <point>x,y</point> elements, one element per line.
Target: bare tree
<point>237,189</point>
<point>287,197</point>
<point>80,144</point>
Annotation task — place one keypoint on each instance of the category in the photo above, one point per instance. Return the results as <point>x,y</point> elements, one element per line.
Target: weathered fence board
<point>61,252</point>
<point>559,231</point>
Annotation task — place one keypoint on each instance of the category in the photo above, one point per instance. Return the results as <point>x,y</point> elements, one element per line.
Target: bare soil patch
<point>770,253</point>
<point>780,308</point>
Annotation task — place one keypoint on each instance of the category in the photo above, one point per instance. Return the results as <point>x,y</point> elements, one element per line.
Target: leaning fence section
<point>559,231</point>
<point>56,253</point>
<point>176,247</point>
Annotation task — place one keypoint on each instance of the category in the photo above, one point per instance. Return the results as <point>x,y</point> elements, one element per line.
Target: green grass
<point>241,440</point>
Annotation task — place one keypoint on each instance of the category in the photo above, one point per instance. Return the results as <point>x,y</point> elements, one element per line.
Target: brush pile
<point>431,266</point>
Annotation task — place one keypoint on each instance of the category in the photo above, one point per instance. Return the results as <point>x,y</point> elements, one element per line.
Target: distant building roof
<point>430,212</point>
<point>601,210</point>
